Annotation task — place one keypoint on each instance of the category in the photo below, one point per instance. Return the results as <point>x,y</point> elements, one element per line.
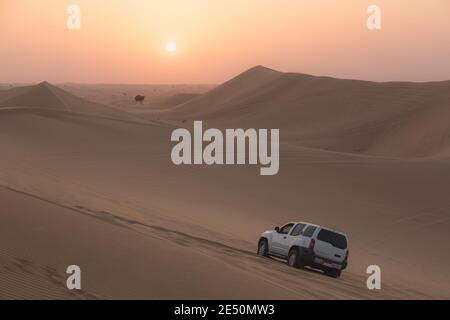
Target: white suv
<point>306,244</point>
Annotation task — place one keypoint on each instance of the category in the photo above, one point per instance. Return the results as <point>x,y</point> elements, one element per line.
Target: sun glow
<point>171,46</point>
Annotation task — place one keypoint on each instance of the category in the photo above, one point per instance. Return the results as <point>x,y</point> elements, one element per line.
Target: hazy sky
<point>123,41</point>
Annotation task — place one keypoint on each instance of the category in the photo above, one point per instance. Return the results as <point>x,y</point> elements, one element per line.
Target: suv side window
<point>297,229</point>
<point>309,231</point>
<point>286,228</point>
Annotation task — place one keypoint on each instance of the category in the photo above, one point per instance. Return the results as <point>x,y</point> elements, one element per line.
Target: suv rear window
<point>335,239</point>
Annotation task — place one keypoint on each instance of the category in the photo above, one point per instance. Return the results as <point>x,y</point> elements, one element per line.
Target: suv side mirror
<point>277,229</point>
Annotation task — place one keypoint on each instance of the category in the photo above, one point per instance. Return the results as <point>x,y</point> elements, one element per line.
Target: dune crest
<point>39,96</point>
<point>47,97</point>
<point>392,119</point>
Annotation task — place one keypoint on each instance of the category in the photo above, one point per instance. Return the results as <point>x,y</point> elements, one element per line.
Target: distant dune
<point>90,184</point>
<point>41,96</point>
<point>175,100</point>
<point>45,97</point>
<point>395,119</point>
<point>122,96</point>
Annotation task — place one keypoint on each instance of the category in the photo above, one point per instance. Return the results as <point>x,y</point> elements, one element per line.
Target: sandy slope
<point>81,189</point>
<point>45,97</point>
<point>122,95</point>
<point>175,100</point>
<point>388,119</point>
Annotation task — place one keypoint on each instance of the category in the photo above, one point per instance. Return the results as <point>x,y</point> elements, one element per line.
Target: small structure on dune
<point>139,99</point>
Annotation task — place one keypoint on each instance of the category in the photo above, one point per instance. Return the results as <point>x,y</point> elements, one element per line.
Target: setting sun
<point>171,46</point>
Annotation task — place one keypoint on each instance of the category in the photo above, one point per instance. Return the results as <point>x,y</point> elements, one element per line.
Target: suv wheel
<point>294,258</point>
<point>263,248</point>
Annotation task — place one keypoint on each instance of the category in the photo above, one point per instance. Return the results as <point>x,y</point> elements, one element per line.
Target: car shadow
<point>308,269</point>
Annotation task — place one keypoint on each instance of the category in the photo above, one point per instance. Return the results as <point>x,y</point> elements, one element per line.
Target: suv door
<point>307,235</point>
<point>279,237</point>
<point>286,241</point>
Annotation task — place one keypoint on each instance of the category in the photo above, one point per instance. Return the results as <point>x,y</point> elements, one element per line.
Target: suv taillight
<point>312,243</point>
<point>346,255</point>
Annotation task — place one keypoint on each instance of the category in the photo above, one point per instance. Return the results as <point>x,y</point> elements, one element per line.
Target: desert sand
<point>92,184</point>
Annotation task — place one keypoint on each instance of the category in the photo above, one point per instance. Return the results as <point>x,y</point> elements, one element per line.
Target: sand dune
<point>45,97</point>
<point>121,96</point>
<point>396,119</point>
<point>175,100</point>
<point>78,188</point>
<point>40,96</point>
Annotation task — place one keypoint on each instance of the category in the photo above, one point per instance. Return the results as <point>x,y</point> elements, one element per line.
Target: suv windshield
<point>335,239</point>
